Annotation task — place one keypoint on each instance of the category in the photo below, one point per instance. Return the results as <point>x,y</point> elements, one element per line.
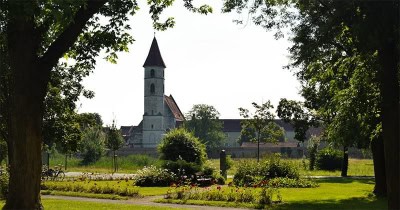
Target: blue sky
<point>209,60</point>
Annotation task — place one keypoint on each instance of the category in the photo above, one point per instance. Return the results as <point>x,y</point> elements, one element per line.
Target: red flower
<point>219,187</point>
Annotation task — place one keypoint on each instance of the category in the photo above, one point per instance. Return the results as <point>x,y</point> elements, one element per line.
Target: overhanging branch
<point>68,36</point>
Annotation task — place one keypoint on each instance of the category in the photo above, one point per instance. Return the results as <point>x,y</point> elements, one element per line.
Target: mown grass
<point>357,167</point>
<point>58,204</point>
<point>126,164</point>
<point>132,163</point>
<point>333,194</point>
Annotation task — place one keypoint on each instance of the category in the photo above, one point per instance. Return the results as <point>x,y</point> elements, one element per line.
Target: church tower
<point>153,117</point>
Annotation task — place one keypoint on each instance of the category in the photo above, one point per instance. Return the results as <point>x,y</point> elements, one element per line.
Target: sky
<point>210,60</point>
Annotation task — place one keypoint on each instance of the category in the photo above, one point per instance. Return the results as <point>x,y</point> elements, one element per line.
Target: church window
<point>152,89</point>
<point>152,73</point>
<point>152,126</point>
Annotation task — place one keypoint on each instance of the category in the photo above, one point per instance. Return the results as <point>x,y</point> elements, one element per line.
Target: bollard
<point>222,163</point>
<point>115,163</point>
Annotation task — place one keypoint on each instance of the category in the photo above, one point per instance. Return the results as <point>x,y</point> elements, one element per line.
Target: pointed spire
<point>154,58</point>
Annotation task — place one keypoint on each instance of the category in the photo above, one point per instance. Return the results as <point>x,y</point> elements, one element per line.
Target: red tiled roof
<point>169,100</point>
<point>154,58</point>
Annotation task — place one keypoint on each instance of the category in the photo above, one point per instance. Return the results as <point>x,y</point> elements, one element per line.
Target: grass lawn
<point>72,205</point>
<point>132,163</point>
<point>332,194</point>
<point>357,167</point>
<point>127,164</point>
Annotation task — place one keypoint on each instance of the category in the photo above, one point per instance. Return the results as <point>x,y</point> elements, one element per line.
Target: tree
<point>37,34</point>
<point>294,113</point>
<point>368,27</point>
<point>260,125</point>
<point>114,142</point>
<point>93,145</point>
<point>87,120</point>
<point>205,125</point>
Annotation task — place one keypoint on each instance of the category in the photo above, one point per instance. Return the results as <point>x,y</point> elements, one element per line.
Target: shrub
<point>329,159</point>
<point>4,185</point>
<point>250,173</point>
<point>312,148</point>
<point>3,150</point>
<point>280,182</point>
<point>181,167</point>
<point>229,162</point>
<point>153,176</point>
<point>119,188</point>
<point>229,194</point>
<point>92,145</point>
<point>180,144</point>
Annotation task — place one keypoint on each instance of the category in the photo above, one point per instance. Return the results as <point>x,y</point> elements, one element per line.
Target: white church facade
<point>161,112</point>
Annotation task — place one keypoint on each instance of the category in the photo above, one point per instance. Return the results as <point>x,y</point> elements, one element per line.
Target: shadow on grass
<point>367,203</point>
<point>338,180</point>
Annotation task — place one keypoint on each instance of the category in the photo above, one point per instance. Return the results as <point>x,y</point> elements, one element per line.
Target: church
<point>161,112</point>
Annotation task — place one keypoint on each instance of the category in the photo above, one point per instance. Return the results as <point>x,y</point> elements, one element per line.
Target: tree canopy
<point>260,126</point>
<point>298,116</point>
<point>334,43</point>
<point>36,35</point>
<point>203,121</point>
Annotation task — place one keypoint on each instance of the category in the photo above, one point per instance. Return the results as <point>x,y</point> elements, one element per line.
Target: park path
<point>146,201</point>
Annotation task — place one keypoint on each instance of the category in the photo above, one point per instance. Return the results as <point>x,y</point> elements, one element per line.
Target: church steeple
<point>154,58</point>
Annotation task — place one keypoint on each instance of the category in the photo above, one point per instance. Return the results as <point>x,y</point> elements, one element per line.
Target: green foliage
<point>4,177</point>
<point>312,148</point>
<point>180,144</point>
<point>297,115</point>
<point>261,197</point>
<point>284,182</point>
<point>153,176</point>
<point>59,122</point>
<point>329,159</point>
<point>92,145</point>
<point>122,188</point>
<point>229,162</point>
<point>87,120</point>
<point>114,141</point>
<point>260,126</point>
<point>182,167</point>
<point>114,138</point>
<point>205,125</point>
<point>251,173</point>
<point>3,150</point>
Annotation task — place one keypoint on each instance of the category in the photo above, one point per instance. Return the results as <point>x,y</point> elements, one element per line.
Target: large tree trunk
<point>378,157</point>
<point>30,76</point>
<point>389,61</point>
<point>345,164</point>
<point>25,153</point>
<point>26,111</point>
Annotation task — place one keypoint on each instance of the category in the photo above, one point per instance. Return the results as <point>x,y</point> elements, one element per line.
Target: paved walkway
<point>146,201</point>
